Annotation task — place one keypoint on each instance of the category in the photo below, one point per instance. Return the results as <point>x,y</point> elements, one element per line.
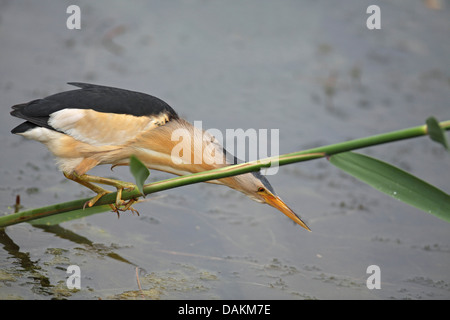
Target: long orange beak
<point>277,203</point>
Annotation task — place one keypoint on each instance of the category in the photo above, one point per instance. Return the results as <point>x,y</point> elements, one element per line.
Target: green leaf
<point>70,215</point>
<point>435,132</point>
<point>140,173</point>
<point>395,182</point>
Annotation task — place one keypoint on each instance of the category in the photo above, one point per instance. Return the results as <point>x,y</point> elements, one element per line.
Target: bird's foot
<point>119,205</point>
<point>122,205</point>
<point>100,193</point>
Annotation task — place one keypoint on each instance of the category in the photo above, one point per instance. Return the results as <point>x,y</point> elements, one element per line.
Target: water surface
<point>309,69</point>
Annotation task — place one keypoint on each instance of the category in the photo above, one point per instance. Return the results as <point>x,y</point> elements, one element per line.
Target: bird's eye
<point>261,189</point>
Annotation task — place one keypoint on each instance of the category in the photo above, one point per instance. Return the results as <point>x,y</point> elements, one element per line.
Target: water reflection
<point>26,269</point>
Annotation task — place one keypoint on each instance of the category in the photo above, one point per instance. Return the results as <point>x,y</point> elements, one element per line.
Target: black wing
<point>90,96</point>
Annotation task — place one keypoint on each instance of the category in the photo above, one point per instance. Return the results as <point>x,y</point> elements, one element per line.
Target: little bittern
<point>97,125</point>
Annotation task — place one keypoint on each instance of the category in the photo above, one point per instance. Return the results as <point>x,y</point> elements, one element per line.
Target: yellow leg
<point>89,180</point>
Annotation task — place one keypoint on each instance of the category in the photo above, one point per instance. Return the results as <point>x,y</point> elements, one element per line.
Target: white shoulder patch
<point>66,119</point>
<point>102,128</point>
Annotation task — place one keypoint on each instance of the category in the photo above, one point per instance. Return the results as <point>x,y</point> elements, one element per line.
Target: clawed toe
<point>123,207</point>
<point>91,202</point>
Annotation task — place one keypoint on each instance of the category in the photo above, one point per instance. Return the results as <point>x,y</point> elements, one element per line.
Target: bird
<point>96,124</point>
